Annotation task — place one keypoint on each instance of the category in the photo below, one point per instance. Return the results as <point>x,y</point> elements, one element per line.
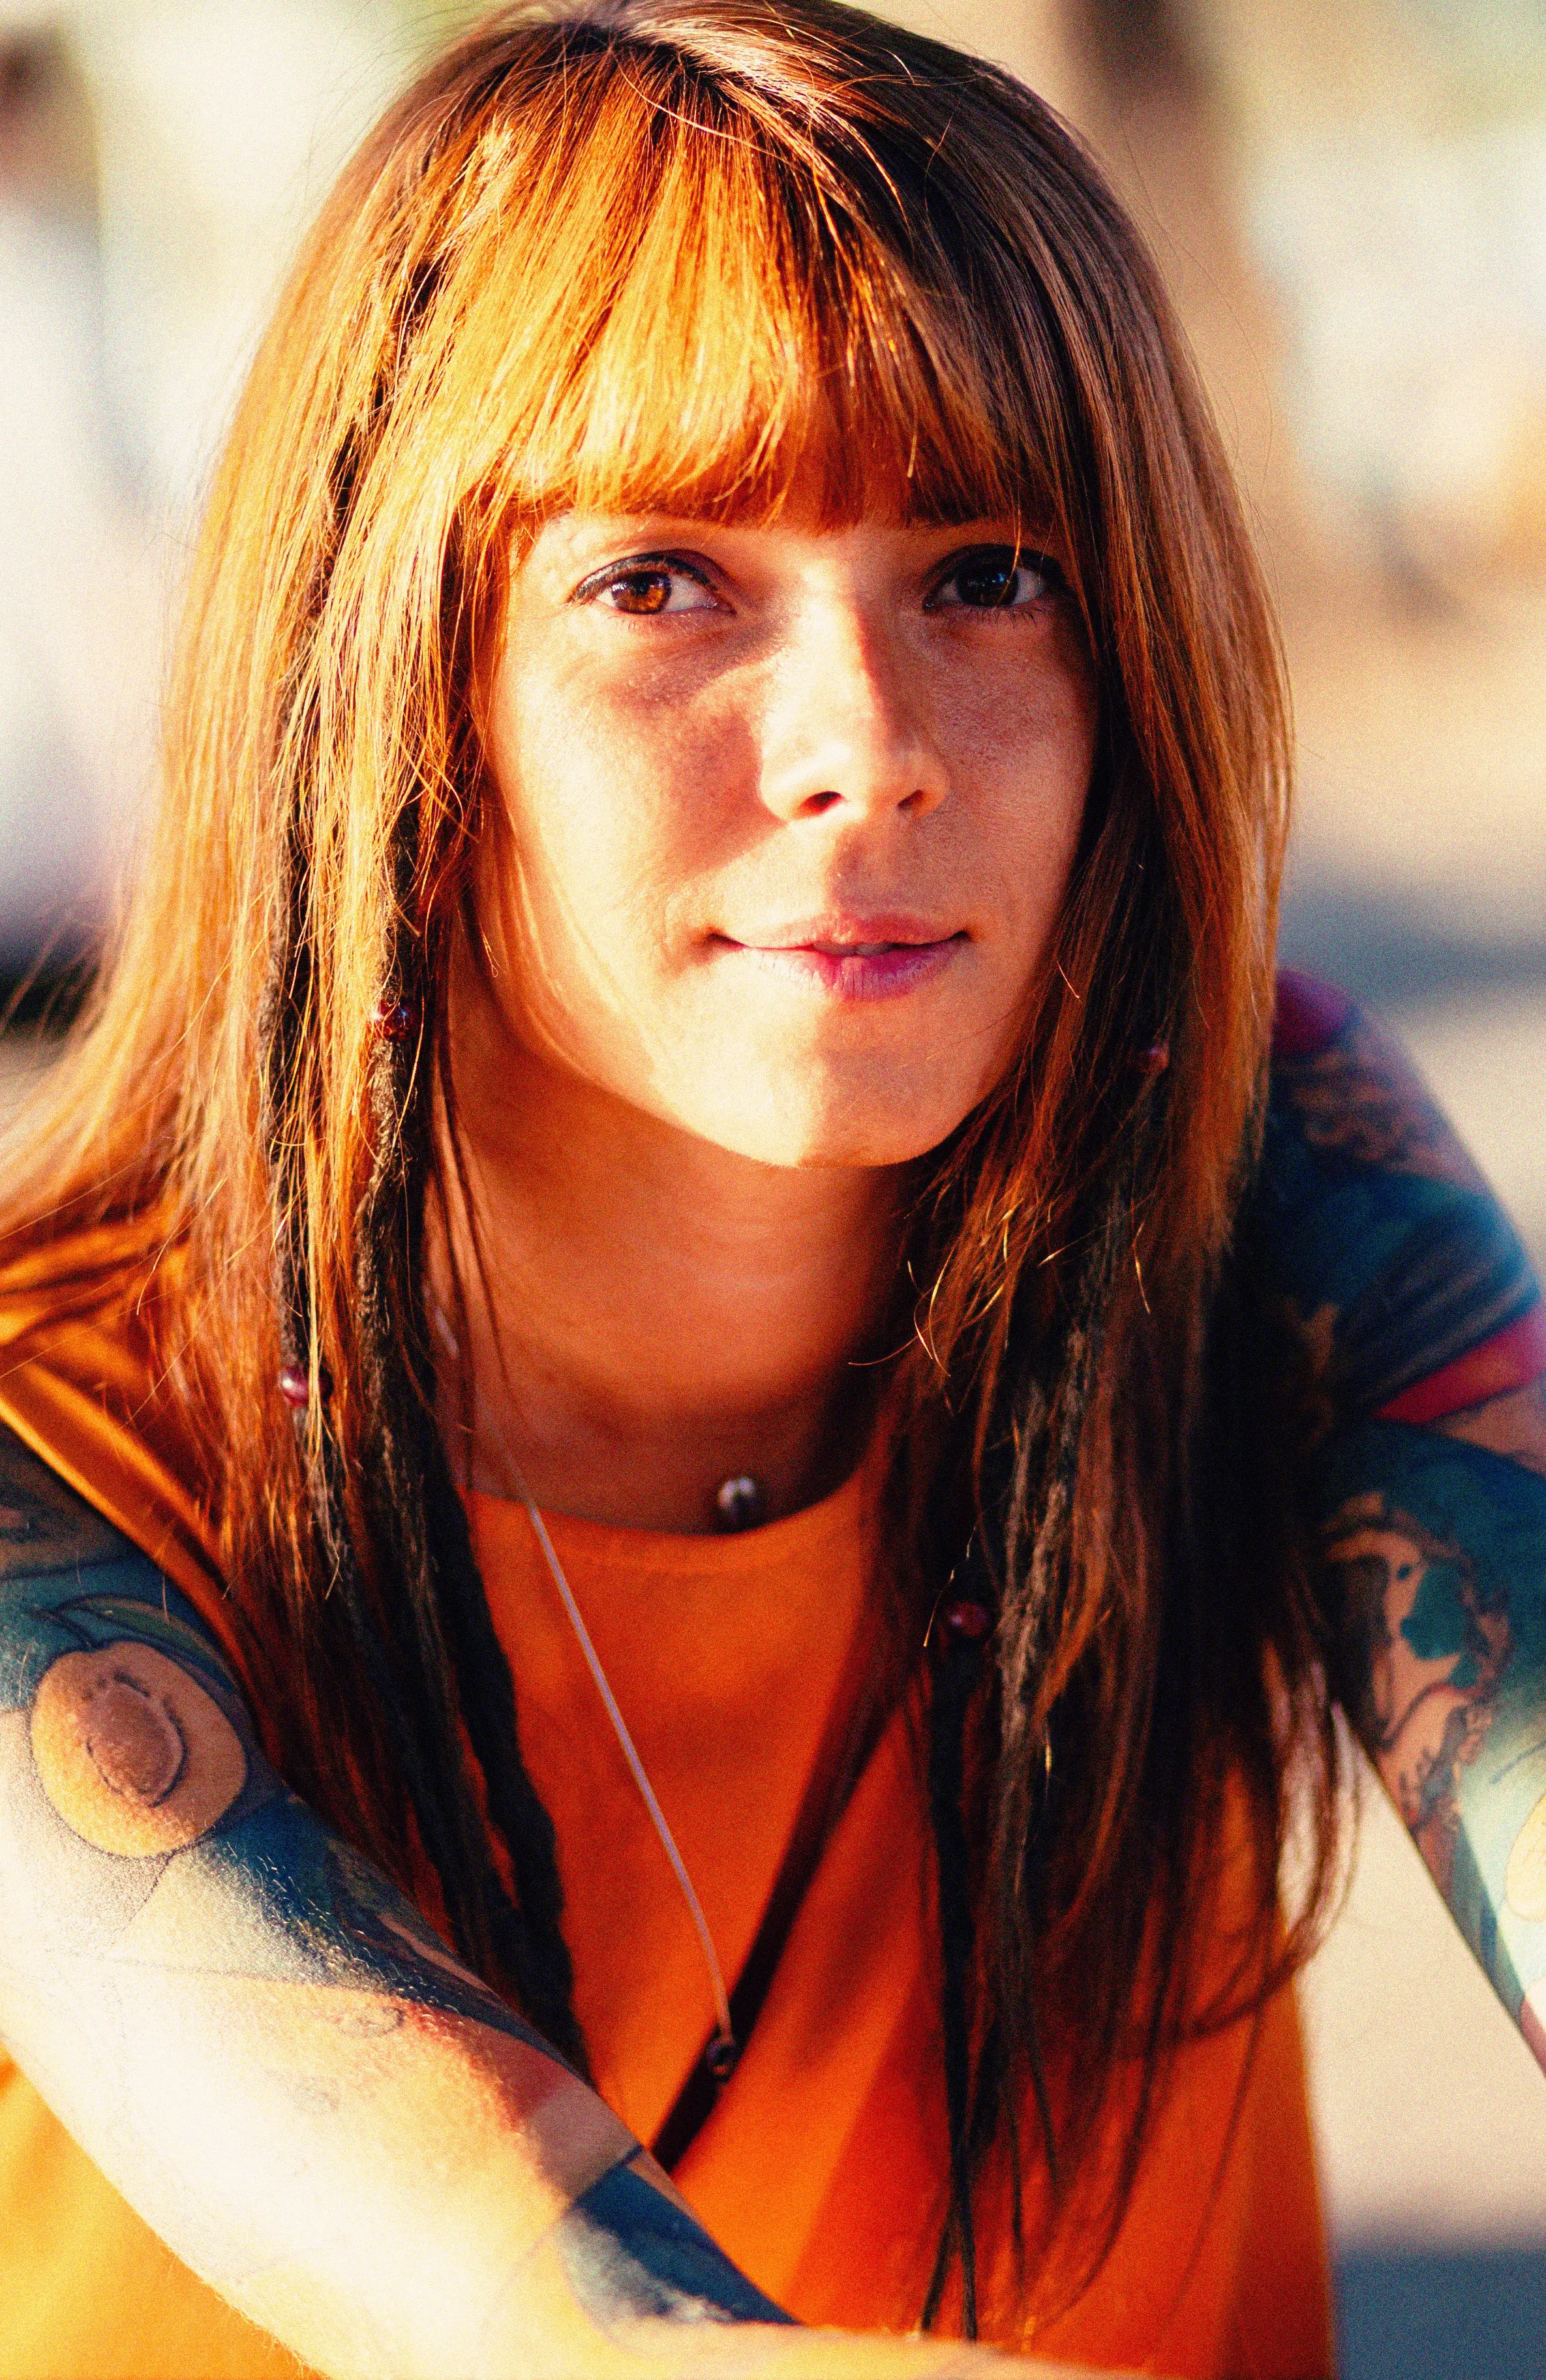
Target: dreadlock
<point>1013,1571</point>
<point>391,1530</point>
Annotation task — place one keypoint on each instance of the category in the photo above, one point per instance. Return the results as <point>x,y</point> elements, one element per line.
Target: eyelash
<point>1038,565</point>
<point>663,565</point>
<point>639,565</point>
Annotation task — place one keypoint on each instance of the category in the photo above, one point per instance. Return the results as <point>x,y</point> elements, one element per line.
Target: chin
<point>786,1125</point>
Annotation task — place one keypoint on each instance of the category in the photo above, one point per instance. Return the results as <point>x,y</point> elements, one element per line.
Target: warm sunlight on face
<point>791,813</point>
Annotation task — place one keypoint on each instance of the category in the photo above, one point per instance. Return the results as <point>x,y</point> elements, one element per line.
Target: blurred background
<point>1348,198</point>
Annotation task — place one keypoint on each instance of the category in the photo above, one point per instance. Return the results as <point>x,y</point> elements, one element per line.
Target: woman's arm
<point>275,2060</point>
<point>1426,1337</point>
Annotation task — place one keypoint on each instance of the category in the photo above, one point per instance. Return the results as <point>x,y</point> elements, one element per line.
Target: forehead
<point>742,331</point>
<point>812,505</point>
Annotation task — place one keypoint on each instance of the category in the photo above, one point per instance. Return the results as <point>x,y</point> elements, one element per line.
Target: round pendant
<point>738,1502</point>
<point>721,2057</point>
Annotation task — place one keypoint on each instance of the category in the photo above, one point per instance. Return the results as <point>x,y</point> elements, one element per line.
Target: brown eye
<point>987,584</point>
<point>640,591</point>
<point>995,578</point>
<point>645,584</point>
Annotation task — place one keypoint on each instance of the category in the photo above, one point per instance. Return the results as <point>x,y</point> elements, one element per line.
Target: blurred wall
<point>158,159</point>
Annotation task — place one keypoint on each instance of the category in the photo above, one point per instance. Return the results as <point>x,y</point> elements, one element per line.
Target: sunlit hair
<point>715,257</point>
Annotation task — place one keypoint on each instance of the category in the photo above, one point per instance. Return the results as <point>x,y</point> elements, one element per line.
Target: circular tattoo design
<point>1525,1877</point>
<point>133,1754</point>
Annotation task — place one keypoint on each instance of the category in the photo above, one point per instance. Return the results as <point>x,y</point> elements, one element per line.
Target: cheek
<point>590,878</point>
<point>1032,790</point>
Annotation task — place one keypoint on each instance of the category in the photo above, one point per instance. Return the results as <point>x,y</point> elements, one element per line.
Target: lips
<point>863,950</point>
<point>859,934</point>
<point>861,959</point>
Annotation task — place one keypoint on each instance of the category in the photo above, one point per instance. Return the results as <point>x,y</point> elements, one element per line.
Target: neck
<point>661,1314</point>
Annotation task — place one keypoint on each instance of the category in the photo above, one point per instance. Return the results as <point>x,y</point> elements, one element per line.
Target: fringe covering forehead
<point>665,293</point>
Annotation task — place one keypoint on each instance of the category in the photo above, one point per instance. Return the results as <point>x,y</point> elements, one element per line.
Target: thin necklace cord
<point>726,2044</point>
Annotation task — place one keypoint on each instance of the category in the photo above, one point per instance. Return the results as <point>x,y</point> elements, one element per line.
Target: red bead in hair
<point>967,1619</point>
<point>396,1020</point>
<point>294,1386</point>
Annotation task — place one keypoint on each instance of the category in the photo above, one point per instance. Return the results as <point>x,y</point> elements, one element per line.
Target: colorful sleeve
<point>1425,1332</point>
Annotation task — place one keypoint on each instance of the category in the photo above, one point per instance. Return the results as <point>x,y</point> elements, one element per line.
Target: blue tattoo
<point>1420,1322</point>
<point>631,2254</point>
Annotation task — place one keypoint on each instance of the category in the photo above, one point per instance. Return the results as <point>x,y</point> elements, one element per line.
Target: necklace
<point>723,2051</point>
<point>741,1498</point>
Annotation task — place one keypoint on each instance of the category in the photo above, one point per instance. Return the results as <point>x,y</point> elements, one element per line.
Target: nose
<point>844,732</point>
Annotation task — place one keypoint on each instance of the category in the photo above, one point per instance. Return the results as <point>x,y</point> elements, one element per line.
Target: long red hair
<point>699,254</point>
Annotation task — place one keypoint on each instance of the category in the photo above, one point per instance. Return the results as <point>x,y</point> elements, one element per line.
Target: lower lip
<point>887,974</point>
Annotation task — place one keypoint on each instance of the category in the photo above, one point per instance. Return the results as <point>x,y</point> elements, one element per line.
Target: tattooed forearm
<point>129,1751</point>
<point>258,2038</point>
<point>632,2251</point>
<point>1426,1342</point>
<point>1440,1581</point>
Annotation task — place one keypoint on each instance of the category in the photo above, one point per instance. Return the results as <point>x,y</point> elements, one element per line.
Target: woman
<point>639,1286</point>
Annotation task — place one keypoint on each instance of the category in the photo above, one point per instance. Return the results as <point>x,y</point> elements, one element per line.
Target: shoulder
<point>1346,1084</point>
<point>92,1325</point>
<point>119,1718</point>
<point>71,1582</point>
<point>1410,1283</point>
<point>52,1268</point>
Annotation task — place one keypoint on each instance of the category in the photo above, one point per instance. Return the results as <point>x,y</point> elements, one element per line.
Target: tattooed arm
<point>275,2060</point>
<point>1427,1339</point>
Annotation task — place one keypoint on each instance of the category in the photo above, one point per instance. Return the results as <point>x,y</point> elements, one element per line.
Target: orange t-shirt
<point>822,2169</point>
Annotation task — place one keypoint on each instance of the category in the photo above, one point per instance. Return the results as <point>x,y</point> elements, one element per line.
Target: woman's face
<point>791,815</point>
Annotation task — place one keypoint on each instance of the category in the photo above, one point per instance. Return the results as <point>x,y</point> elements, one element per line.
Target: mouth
<point>869,958</point>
